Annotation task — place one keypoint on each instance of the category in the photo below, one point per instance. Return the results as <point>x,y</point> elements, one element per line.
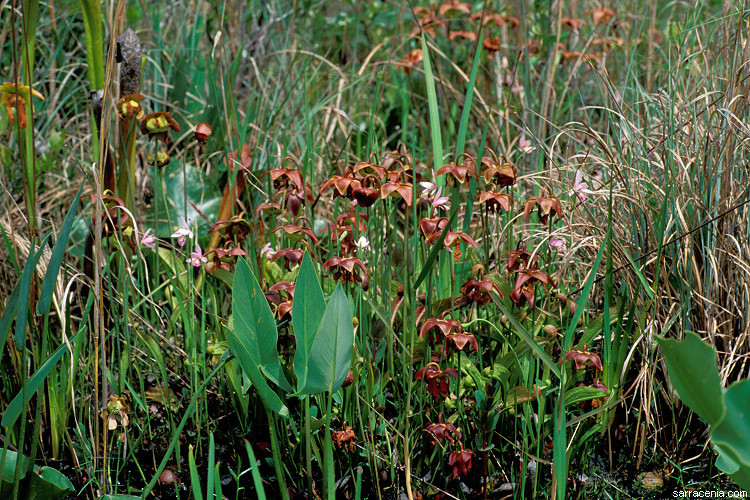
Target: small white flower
<point>362,243</point>
<point>183,232</point>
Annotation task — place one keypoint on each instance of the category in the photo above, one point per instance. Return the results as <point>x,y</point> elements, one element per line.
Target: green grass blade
<point>526,336</point>
<point>195,480</point>
<point>463,126</point>
<point>257,481</point>
<point>584,298</point>
<point>432,105</point>
<point>53,268</point>
<point>23,291</point>
<point>36,380</point>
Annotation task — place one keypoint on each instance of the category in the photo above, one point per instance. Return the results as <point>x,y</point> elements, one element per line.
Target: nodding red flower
<point>296,233</point>
<point>521,259</point>
<point>15,96</point>
<point>490,20</point>
<point>601,15</point>
<point>460,461</point>
<point>459,340</point>
<point>270,207</point>
<point>225,257</point>
<point>160,159</point>
<point>547,205</point>
<point>345,439</point>
<point>491,45</point>
<point>366,194</point>
<point>442,430</point>
<point>202,132</point>
<point>343,269</point>
<point>292,256</point>
<point>343,184</point>
<point>494,201</point>
<point>158,125</point>
<point>283,176</point>
<point>438,329</point>
<point>365,168</point>
<point>461,172</point>
<point>523,292</point>
<point>581,358</point>
<point>454,239</point>
<point>403,189</point>
<point>468,35</point>
<point>411,60</point>
<point>283,304</point>
<point>432,226</point>
<point>436,379</point>
<point>454,8</point>
<point>478,291</point>
<point>297,197</point>
<point>572,23</point>
<point>429,23</point>
<point>500,176</point>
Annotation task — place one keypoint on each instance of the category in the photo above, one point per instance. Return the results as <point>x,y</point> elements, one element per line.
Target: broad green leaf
<point>53,268</point>
<point>33,384</point>
<point>330,355</point>
<point>308,308</point>
<point>692,370</point>
<point>731,436</point>
<point>9,470</point>
<point>254,338</point>
<point>579,394</point>
<point>47,483</point>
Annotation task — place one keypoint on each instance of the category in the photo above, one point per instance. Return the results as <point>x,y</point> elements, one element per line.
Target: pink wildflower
<point>197,257</point>
<point>148,240</point>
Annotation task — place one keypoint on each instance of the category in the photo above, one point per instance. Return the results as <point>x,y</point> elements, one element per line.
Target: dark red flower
<point>224,257</point>
<point>296,233</point>
<point>442,430</point>
<point>292,256</point>
<point>436,379</point>
<point>581,358</point>
<point>344,270</point>
<point>494,201</point>
<point>461,462</point>
<point>521,259</point>
<point>345,439</point>
<point>366,193</point>
<point>479,290</point>
<point>547,205</point>
<point>202,132</point>
<point>403,189</point>
<point>460,172</point>
<point>523,291</point>
<point>343,184</point>
<point>500,176</point>
<point>438,329</point>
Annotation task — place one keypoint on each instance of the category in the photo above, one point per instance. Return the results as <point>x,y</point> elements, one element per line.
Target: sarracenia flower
<point>15,96</point>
